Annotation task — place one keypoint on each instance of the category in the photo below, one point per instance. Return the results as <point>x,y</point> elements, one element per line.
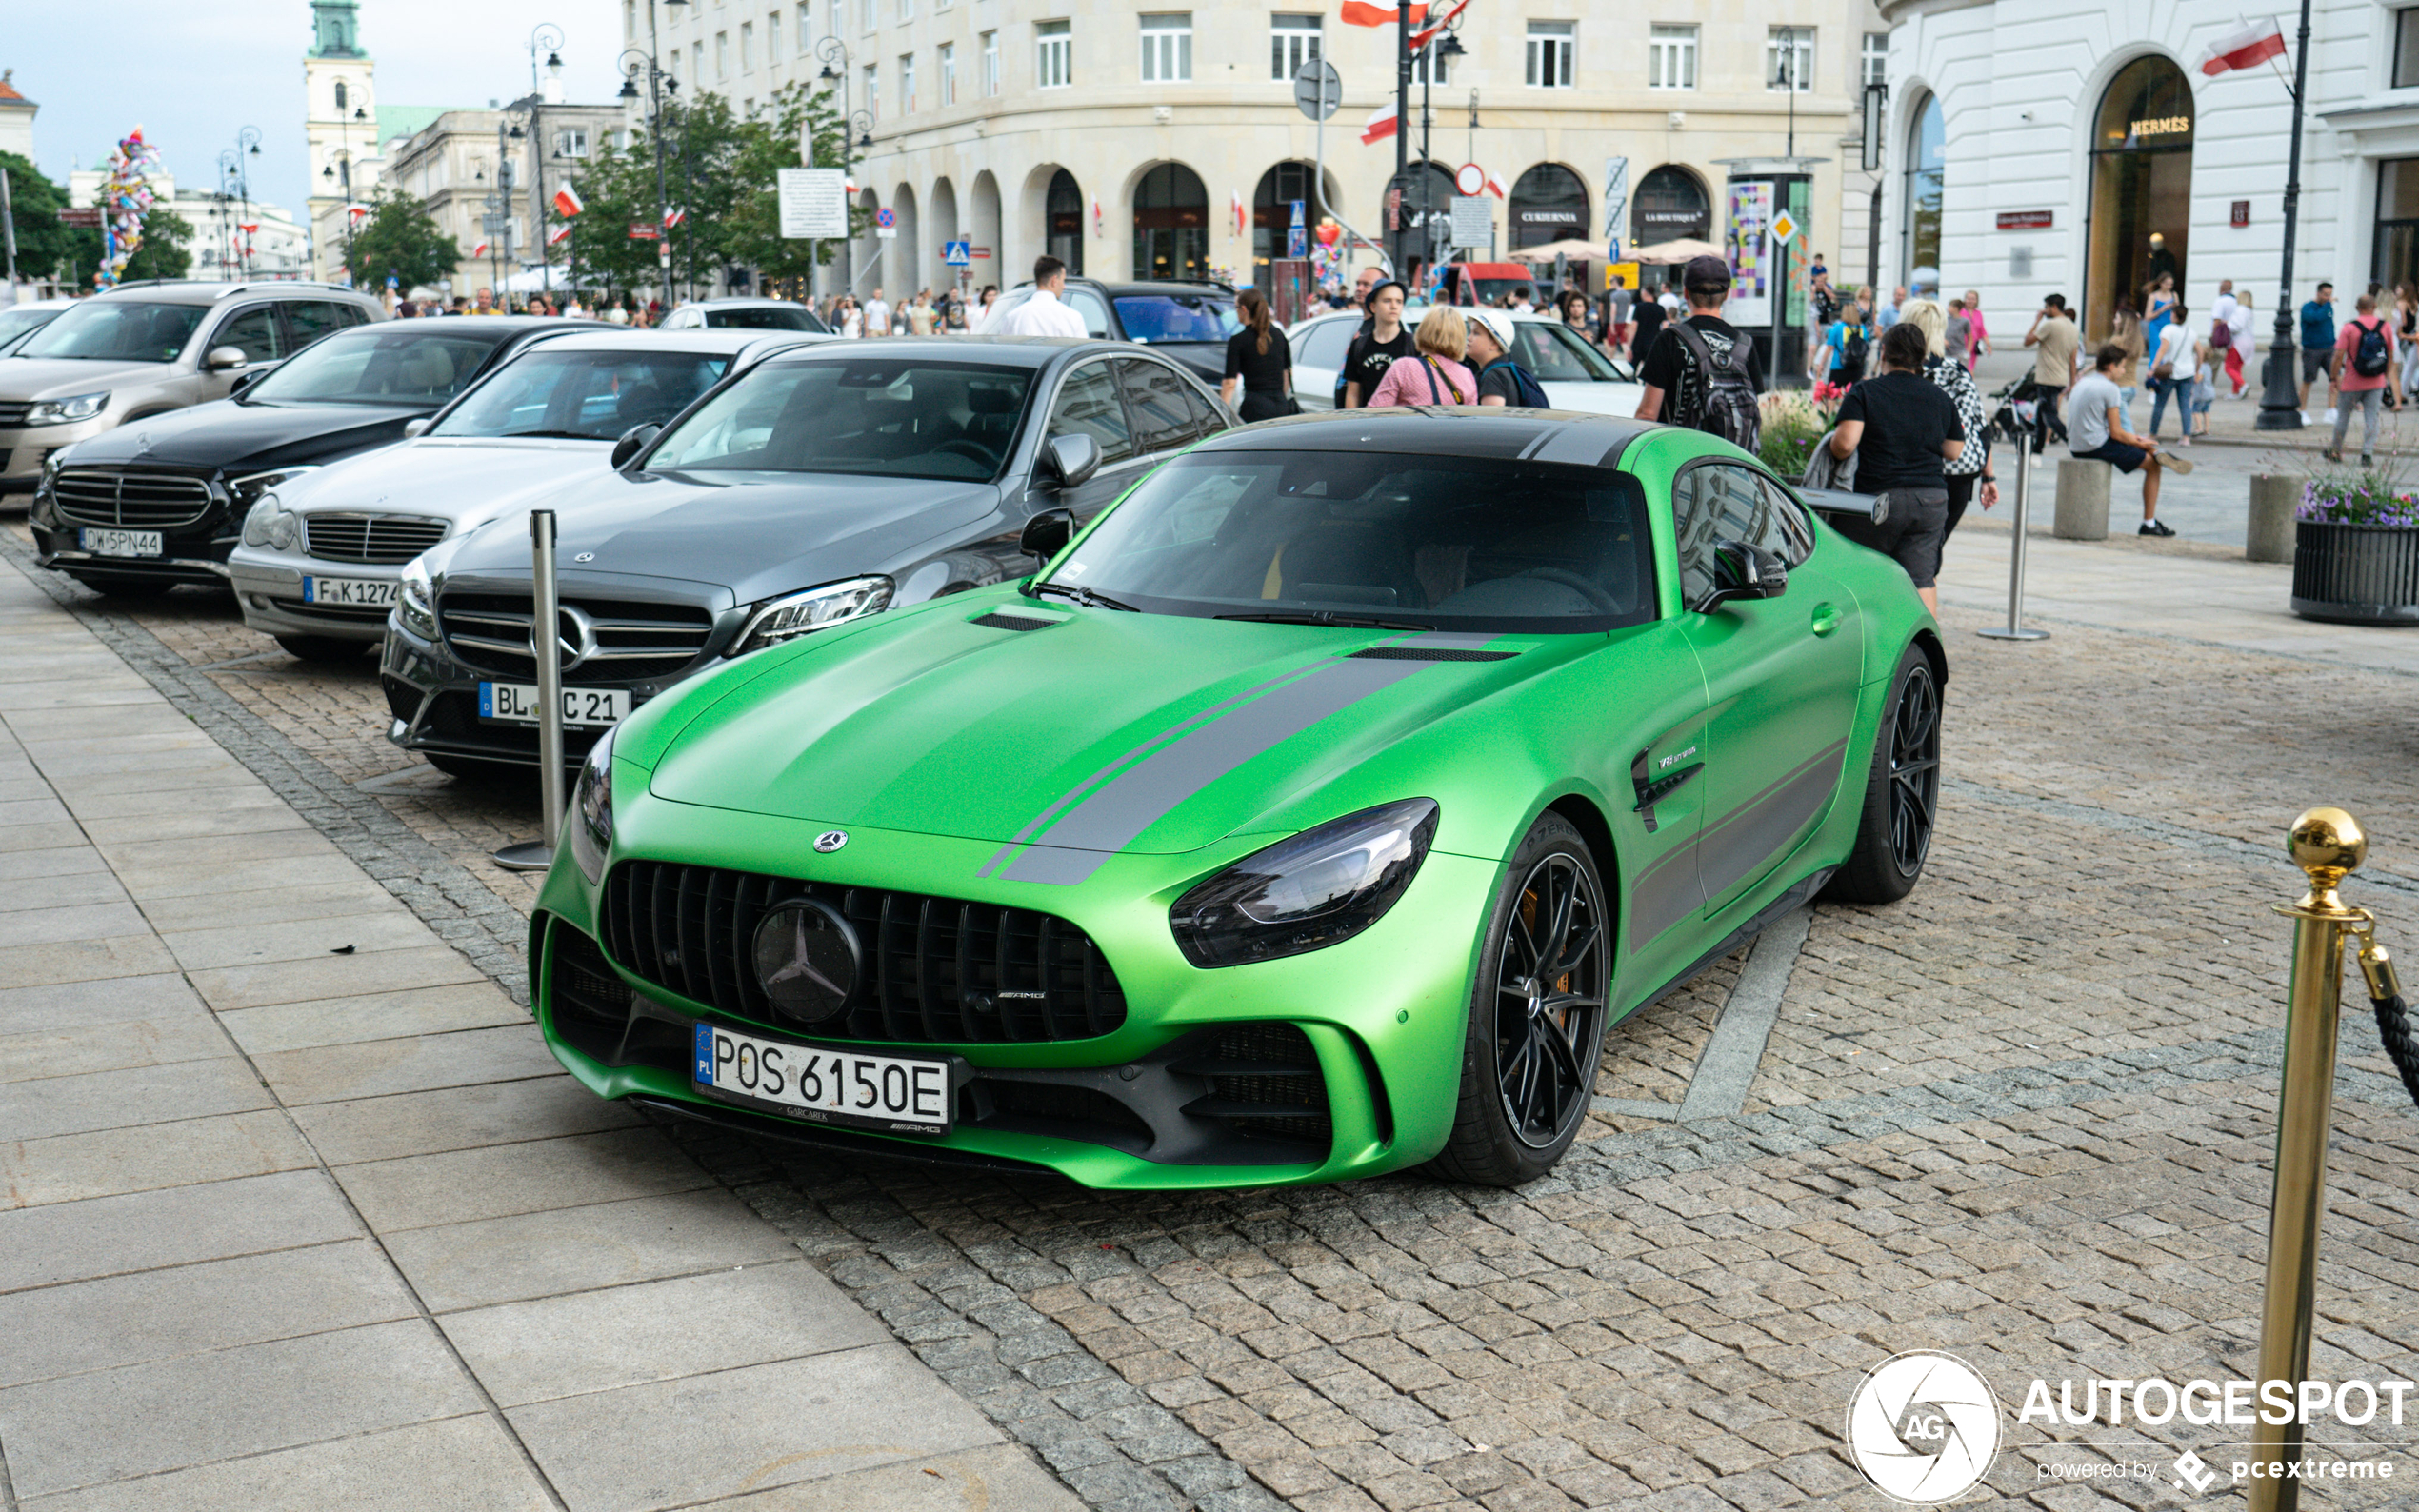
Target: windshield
<point>117,330</point>
<point>894,418</point>
<point>765,317</point>
<point>1555,353</point>
<point>1155,318</point>
<point>594,395</point>
<point>1420,542</point>
<point>16,325</point>
<point>413,367</point>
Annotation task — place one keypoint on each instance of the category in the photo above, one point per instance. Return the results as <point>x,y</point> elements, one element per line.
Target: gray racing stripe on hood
<point>1111,818</point>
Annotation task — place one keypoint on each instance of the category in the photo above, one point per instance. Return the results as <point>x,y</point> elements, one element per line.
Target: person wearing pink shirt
<point>1433,374</point>
<point>1979,347</point>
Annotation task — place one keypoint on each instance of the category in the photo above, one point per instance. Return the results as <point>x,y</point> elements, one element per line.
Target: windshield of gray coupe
<point>117,330</point>
<point>891,418</point>
<point>1362,539</point>
<point>582,395</point>
<point>413,368</point>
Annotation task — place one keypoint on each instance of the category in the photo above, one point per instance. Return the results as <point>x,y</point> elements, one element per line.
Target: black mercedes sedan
<point>136,511</point>
<point>821,484</point>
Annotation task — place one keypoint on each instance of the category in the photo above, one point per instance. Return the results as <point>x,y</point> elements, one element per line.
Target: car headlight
<point>271,524</point>
<point>246,489</point>
<point>592,811</point>
<point>1321,888</point>
<point>416,600</point>
<point>66,411</point>
<point>793,615</point>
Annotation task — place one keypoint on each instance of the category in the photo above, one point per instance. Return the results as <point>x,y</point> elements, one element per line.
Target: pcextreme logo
<point>1924,1427</point>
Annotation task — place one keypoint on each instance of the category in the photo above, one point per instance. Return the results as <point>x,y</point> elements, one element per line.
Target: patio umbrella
<point>1678,250</point>
<point>1577,251</point>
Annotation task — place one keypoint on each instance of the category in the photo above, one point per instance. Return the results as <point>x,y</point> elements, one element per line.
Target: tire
<point>331,649</point>
<point>1901,791</point>
<point>1528,1076</point>
<point>473,769</point>
<point>130,589</point>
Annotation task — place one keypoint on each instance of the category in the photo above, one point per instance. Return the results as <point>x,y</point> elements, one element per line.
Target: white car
<point>1574,373</point>
<point>322,552</point>
<point>744,314</point>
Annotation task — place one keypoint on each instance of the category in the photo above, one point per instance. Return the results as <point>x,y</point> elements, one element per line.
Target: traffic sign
<point>957,254</point>
<point>1474,220</point>
<point>1297,242</point>
<point>887,218</point>
<point>1300,217</point>
<point>814,203</point>
<point>1318,90</point>
<point>1470,179</point>
<point>1783,228</point>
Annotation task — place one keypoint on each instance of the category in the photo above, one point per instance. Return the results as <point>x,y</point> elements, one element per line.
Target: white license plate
<point>123,542</point>
<point>517,703</point>
<point>888,1092</point>
<point>368,594</point>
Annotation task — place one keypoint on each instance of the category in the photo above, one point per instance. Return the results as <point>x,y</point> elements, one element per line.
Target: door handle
<point>1827,618</point>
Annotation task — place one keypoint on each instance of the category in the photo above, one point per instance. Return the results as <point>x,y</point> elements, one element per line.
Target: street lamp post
<point>655,78</point>
<point>2280,407</point>
<point>834,54</point>
<point>247,145</point>
<point>547,38</point>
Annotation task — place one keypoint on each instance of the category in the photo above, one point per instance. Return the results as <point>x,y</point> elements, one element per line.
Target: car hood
<point>66,377</point>
<point>1104,732</point>
<point>468,482</point>
<point>757,534</point>
<point>226,434</point>
<point>1610,398</point>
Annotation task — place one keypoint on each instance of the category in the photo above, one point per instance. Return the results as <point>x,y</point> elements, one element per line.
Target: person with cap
<point>1383,339</point>
<point>1676,388</point>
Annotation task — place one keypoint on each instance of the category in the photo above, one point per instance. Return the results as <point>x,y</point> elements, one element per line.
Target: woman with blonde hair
<point>1971,471</point>
<point>1434,373</point>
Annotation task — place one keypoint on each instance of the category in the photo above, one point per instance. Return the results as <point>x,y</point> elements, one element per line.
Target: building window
<point>1167,47</point>
<point>1430,65</point>
<point>772,37</point>
<point>747,46</point>
<point>1789,59</point>
<point>907,84</point>
<point>1054,62</point>
<point>629,20</point>
<point>1551,45</point>
<point>722,55</point>
<point>1293,42</point>
<point>871,18</point>
<point>1876,58</point>
<point>907,10</point>
<point>990,63</point>
<point>874,91</point>
<point>806,30</point>
<point>833,16</point>
<point>697,63</point>
<point>949,74</point>
<point>572,142</point>
<point>1671,57</point>
<point>2406,49</point>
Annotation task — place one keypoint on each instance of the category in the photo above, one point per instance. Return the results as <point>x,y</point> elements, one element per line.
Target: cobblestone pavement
<point>2023,1116</point>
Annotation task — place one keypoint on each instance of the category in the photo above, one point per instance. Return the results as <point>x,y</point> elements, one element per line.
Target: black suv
<point>1189,321</point>
<point>160,500</point>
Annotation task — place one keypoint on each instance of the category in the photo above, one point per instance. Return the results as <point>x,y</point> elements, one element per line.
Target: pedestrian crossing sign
<point>1783,228</point>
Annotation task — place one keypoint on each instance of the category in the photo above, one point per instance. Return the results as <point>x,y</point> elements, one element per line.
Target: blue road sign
<point>886,217</point>
<point>1297,241</point>
<point>957,254</point>
<point>1298,219</point>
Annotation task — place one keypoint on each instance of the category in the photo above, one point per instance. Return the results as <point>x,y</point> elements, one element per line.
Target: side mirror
<point>1047,533</point>
<point>245,383</point>
<point>1068,461</point>
<point>633,441</point>
<point>419,427</point>
<point>1744,571</point>
<point>224,359</point>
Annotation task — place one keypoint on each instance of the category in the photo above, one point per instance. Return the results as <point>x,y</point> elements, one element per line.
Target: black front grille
<point>13,413</point>
<point>386,538</point>
<point>635,641</point>
<point>142,501</point>
<point>936,970</point>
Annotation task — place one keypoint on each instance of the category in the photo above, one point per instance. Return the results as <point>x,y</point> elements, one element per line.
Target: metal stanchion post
<point>545,648</point>
<point>2327,844</point>
<point>2015,630</point>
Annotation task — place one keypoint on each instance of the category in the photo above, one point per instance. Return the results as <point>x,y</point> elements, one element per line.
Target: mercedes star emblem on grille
<point>831,840</point>
<point>806,958</point>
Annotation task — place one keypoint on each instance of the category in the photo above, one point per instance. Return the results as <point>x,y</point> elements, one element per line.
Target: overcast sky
<point>192,73</point>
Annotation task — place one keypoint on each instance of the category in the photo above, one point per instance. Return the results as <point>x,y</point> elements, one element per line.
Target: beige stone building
<point>1124,136</point>
<point>448,165</point>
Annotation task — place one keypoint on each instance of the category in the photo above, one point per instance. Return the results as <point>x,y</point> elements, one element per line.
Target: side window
<point>1207,417</point>
<point>1719,502</point>
<point>312,319</point>
<point>1087,405</point>
<point>1325,345</point>
<point>1155,399</point>
<point>1093,309</point>
<point>254,332</point>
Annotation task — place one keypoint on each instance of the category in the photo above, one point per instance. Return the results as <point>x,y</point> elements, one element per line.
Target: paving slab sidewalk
<point>282,1227</point>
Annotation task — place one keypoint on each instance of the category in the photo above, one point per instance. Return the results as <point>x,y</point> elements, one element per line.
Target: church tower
<point>340,122</point>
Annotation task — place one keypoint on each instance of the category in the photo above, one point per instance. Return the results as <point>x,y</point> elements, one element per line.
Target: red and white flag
<point>556,236</point>
<point>674,216</point>
<point>568,202</point>
<point>1364,13</point>
<point>1496,185</point>
<point>356,209</point>
<point>480,250</point>
<point>1234,209</point>
<point>2248,48</point>
<point>1379,126</point>
<point>253,230</point>
<point>1428,33</point>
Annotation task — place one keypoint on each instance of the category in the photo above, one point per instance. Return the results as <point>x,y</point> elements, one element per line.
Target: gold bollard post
<point>2327,844</point>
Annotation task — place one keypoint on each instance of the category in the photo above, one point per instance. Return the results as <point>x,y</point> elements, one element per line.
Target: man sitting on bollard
<point>2097,433</point>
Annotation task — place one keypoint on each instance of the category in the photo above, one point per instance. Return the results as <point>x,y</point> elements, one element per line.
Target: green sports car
<point>1312,814</point>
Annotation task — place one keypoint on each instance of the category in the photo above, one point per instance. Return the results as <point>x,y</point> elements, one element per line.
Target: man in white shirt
<point>1046,313</point>
<point>877,315</point>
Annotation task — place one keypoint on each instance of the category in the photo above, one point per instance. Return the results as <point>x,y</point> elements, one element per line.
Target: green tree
<point>167,251</point>
<point>618,188</point>
<point>751,227</point>
<point>44,245</point>
<point>399,240</point>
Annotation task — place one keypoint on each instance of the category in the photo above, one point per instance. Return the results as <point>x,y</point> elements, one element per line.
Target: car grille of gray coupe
<point>143,501</point>
<point>604,640</point>
<point>377,538</point>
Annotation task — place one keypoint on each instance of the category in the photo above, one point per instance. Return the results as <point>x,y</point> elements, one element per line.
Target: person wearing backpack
<point>1502,381</point>
<point>1703,372</point>
<point>2365,364</point>
<point>1903,430</point>
<point>1848,343</point>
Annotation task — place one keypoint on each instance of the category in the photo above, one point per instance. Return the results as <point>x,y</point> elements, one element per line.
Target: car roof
<point>482,325</point>
<point>1005,351</point>
<point>740,301</point>
<point>1165,285</point>
<point>1527,435</point>
<point>718,340</point>
<point>193,292</point>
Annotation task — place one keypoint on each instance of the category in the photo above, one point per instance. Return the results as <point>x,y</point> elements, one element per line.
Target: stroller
<point>2016,414</point>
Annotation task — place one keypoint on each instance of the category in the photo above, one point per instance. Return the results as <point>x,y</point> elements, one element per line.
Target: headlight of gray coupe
<point>416,600</point>
<point>592,811</point>
<point>795,614</point>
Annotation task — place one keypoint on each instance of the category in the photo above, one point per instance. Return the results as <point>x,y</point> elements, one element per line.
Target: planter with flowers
<point>2356,550</point>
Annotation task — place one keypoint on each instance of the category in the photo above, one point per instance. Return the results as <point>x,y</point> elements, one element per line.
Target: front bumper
<point>1376,1023</point>
<point>269,586</point>
<point>193,551</point>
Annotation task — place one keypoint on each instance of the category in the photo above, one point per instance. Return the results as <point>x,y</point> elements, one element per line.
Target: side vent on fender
<point>1427,654</point>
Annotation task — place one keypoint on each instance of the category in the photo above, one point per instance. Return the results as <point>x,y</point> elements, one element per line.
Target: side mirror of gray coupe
<point>1047,533</point>
<point>414,428</point>
<point>1068,461</point>
<point>631,443</point>
<point>225,359</point>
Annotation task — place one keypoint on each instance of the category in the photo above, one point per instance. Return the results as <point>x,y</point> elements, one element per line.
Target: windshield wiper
<point>1326,617</point>
<point>560,435</point>
<point>1083,596</point>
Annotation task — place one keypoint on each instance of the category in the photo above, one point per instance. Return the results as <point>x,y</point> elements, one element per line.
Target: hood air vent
<point>1431,653</point>
<point>1001,619</point>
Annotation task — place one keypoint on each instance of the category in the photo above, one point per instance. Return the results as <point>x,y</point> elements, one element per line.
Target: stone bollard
<point>2083,500</point>
<point>2273,499</point>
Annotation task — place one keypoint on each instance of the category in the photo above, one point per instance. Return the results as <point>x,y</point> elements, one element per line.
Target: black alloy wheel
<point>1914,769</point>
<point>1549,1001</point>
